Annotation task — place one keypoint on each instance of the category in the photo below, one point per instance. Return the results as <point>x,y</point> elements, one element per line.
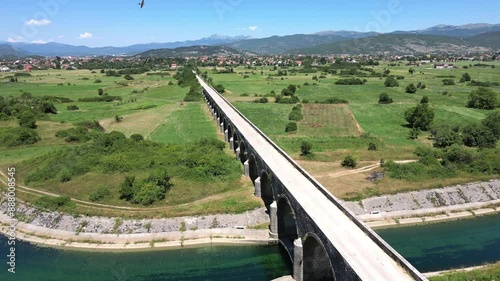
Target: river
<point>428,247</point>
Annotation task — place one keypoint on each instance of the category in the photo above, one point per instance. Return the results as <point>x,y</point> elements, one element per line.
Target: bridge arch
<point>317,265</point>
<point>287,222</point>
<point>243,151</point>
<point>253,170</point>
<point>236,141</point>
<point>266,189</point>
<point>229,129</point>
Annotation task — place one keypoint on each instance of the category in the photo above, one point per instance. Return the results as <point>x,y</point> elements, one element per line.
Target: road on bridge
<point>366,258</point>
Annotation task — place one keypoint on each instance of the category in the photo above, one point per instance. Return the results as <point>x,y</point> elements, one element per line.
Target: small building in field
<point>28,68</point>
<point>4,69</point>
<point>444,66</point>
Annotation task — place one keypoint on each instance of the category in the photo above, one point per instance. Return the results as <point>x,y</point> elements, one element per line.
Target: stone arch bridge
<point>324,239</point>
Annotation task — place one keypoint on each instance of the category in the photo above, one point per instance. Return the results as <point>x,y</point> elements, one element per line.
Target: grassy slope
<point>168,122</point>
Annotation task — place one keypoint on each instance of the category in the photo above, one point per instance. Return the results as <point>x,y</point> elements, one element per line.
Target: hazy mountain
<point>488,39</point>
<point>467,30</point>
<point>57,49</point>
<point>283,44</point>
<point>407,44</point>
<point>8,51</point>
<point>192,51</point>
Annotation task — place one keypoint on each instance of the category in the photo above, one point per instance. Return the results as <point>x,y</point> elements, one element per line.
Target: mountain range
<point>442,38</point>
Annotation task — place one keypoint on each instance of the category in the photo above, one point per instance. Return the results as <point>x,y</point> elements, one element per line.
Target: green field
<point>336,131</point>
<point>149,106</point>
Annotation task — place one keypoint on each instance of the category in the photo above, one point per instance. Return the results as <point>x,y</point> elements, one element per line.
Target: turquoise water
<point>448,245</point>
<point>428,247</point>
<point>207,263</point>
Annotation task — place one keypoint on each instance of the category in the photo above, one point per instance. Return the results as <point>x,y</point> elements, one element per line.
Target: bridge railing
<point>367,230</point>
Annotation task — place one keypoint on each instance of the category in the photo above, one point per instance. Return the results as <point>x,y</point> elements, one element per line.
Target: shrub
<point>18,136</point>
<point>482,98</point>
<point>420,117</point>
<point>291,127</point>
<point>411,89</point>
<point>305,148</point>
<point>98,81</point>
<point>220,88</point>
<point>465,77</point>
<point>391,82</point>
<point>349,161</point>
<point>384,98</point>
<point>72,107</point>
<point>372,146</point>
<point>99,194</point>
<point>27,120</point>
<point>128,77</point>
<point>262,100</point>
<point>350,81</point>
<point>137,137</point>
<point>448,82</point>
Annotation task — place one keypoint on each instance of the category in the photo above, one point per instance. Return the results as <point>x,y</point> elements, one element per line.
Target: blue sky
<point>122,22</point>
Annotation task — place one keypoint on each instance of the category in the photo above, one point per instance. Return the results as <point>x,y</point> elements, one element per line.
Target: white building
<point>4,69</point>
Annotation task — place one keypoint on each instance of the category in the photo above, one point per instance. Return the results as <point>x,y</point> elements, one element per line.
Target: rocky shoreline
<point>42,226</point>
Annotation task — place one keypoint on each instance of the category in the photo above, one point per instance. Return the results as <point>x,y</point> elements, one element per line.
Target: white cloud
<point>38,22</point>
<point>86,35</point>
<point>60,36</point>
<point>15,39</point>
<point>253,27</point>
<point>39,42</point>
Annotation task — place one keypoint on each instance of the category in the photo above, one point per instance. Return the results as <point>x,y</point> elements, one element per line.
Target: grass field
<point>336,131</point>
<point>149,107</point>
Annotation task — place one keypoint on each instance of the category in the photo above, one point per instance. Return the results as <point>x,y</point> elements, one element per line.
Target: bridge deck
<point>366,258</point>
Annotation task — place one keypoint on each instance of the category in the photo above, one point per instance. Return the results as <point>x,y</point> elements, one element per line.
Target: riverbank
<point>60,230</point>
<point>429,206</point>
<point>138,241</point>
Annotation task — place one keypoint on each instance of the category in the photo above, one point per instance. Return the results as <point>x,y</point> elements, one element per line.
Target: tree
<point>465,77</point>
<point>372,146</point>
<point>444,136</point>
<point>127,189</point>
<point>384,98</point>
<point>220,88</point>
<point>137,137</point>
<point>349,161</point>
<point>482,98</point>
<point>100,91</point>
<point>289,91</point>
<point>420,117</point>
<point>305,148</point>
<point>492,122</point>
<point>411,89</point>
<point>478,135</point>
<point>411,70</point>
<point>291,127</point>
<point>448,82</point>
<point>391,82</point>
<point>27,120</point>
<point>424,99</point>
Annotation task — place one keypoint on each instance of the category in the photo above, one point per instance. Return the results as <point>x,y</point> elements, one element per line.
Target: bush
<point>104,98</point>
<point>99,194</point>
<point>420,117</point>
<point>411,89</point>
<point>220,88</point>
<point>349,161</point>
<point>372,146</point>
<point>492,122</point>
<point>72,107</point>
<point>27,120</point>
<point>444,136</point>
<point>384,98</point>
<point>137,137</point>
<point>350,81</point>
<point>482,98</point>
<point>291,127</point>
<point>478,135</point>
<point>465,77</point>
<point>305,148</point>
<point>11,137</point>
<point>98,81</point>
<point>391,82</point>
<point>128,77</point>
<point>296,114</point>
<point>262,100</point>
<point>448,82</point>
<point>54,203</point>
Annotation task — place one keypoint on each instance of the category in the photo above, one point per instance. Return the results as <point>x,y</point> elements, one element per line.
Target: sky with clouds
<point>122,22</point>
